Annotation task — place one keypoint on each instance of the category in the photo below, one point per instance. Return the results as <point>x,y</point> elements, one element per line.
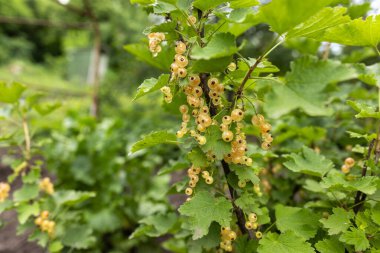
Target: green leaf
<point>214,65</point>
<point>173,167</point>
<point>27,192</point>
<point>236,4</point>
<point>245,173</point>
<point>205,5</point>
<point>78,236</point>
<point>154,138</point>
<point>142,53</point>
<point>371,74</point>
<point>221,45</point>
<point>250,204</point>
<point>5,205</point>
<point>364,111</point>
<point>283,15</point>
<point>336,180</point>
<point>244,245</point>
<point>301,221</point>
<point>375,213</point>
<point>317,24</point>
<point>26,210</point>
<point>215,143</point>
<point>11,93</point>
<point>330,245</point>
<point>151,84</point>
<point>287,242</point>
<point>45,108</point>
<point>358,32</point>
<point>159,224</point>
<point>71,197</point>
<point>355,237</point>
<point>143,2</point>
<point>309,163</point>
<point>55,246</point>
<point>305,85</point>
<point>197,157</point>
<point>209,241</point>
<point>338,222</point>
<point>203,209</point>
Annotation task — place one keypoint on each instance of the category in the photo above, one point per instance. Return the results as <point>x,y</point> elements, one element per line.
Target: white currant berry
<point>189,191</point>
<point>227,136</point>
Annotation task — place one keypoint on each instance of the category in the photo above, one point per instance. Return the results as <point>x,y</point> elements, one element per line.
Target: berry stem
<point>226,168</point>
<point>360,197</point>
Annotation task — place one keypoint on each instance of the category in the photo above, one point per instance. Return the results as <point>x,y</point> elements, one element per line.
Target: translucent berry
<point>226,120</point>
<point>242,183</point>
<point>232,235</point>
<point>194,80</point>
<point>180,47</point>
<point>181,61</point>
<point>212,83</point>
<point>237,115</point>
<point>231,67</point>
<point>349,162</point>
<point>197,91</point>
<point>227,136</point>
<point>265,145</point>
<point>265,128</point>
<point>209,180</point>
<point>189,191</point>
<point>174,67</point>
<point>257,119</point>
<point>345,169</point>
<point>202,140</point>
<point>182,72</point>
<point>252,217</point>
<point>249,225</point>
<point>259,234</point>
<point>183,109</point>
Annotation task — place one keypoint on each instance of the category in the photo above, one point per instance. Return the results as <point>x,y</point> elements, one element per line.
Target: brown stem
<point>226,168</point>
<point>247,76</point>
<point>360,196</point>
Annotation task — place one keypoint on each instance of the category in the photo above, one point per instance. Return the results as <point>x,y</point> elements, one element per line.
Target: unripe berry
<point>212,83</point>
<point>202,140</point>
<point>249,225</point>
<point>252,217</point>
<point>209,180</point>
<point>188,191</point>
<point>237,115</point>
<point>205,174</point>
<point>180,47</point>
<point>231,67</point>
<point>227,136</point>
<point>180,134</point>
<point>191,20</point>
<point>242,183</point>
<point>232,235</point>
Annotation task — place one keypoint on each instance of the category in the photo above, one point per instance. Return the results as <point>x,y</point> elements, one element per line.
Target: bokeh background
<point>75,52</point>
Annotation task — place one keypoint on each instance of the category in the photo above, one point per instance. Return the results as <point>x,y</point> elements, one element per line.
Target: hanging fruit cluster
<point>47,186</point>
<point>155,40</point>
<point>4,191</point>
<point>193,174</point>
<point>265,128</point>
<point>227,237</point>
<point>349,162</point>
<point>45,224</point>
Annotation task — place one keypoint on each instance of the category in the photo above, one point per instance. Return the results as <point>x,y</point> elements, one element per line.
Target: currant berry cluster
<point>47,186</point>
<point>4,191</point>
<point>251,224</point>
<point>265,128</point>
<point>216,90</point>
<point>178,67</point>
<point>168,96</point>
<point>349,162</point>
<point>193,174</point>
<point>227,237</point>
<point>155,40</point>
<point>45,224</point>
